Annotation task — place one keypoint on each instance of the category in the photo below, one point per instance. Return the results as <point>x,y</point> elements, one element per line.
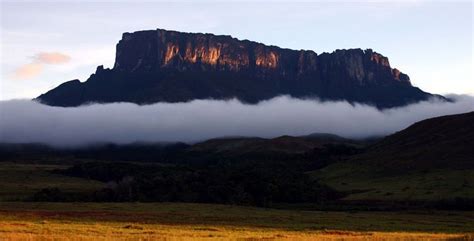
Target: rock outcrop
<point>169,66</point>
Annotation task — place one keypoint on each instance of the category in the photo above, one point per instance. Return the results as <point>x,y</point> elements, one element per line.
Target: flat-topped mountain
<point>169,66</point>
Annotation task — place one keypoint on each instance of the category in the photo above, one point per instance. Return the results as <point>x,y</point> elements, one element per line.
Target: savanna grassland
<point>182,221</point>
<point>20,220</point>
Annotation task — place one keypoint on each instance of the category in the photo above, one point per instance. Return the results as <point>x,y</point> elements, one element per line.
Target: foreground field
<point>158,221</point>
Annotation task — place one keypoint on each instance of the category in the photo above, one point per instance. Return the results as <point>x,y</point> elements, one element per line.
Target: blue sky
<point>46,43</point>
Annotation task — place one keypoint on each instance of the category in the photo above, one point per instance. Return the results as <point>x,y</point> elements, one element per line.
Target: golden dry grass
<point>170,221</point>
<point>76,232</point>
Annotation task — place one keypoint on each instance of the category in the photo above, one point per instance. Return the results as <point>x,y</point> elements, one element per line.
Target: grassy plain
<point>21,180</point>
<point>367,183</point>
<point>181,221</point>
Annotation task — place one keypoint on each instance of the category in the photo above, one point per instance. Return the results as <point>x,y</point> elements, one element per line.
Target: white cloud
<point>27,121</point>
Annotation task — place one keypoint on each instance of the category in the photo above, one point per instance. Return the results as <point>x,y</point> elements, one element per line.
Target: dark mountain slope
<point>441,142</point>
<point>279,145</point>
<point>430,160</point>
<point>168,66</point>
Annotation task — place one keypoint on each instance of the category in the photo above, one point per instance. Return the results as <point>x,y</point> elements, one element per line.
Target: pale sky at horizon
<point>44,44</point>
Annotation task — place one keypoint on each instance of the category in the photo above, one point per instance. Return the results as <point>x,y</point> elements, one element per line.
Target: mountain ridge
<point>169,66</point>
<point>431,143</point>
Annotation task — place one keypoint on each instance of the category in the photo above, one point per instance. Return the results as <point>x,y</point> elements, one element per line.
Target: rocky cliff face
<point>160,49</point>
<point>160,65</point>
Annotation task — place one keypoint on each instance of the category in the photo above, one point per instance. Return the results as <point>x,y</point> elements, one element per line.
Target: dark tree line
<point>259,183</point>
<point>176,174</point>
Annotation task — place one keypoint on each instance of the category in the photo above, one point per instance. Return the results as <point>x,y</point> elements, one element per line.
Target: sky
<point>45,43</point>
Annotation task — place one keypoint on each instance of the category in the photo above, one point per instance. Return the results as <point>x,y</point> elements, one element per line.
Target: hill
<point>432,159</point>
<point>442,142</point>
<point>429,163</point>
<point>279,145</point>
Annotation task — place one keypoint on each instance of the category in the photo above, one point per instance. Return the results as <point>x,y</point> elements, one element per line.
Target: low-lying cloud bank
<point>26,121</point>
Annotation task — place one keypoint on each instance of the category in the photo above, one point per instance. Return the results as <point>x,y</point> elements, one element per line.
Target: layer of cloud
<point>28,71</point>
<point>34,69</point>
<point>52,58</point>
<point>25,121</point>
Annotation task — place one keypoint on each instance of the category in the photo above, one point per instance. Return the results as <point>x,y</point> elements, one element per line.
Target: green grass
<point>205,215</point>
<point>21,180</point>
<point>372,184</point>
